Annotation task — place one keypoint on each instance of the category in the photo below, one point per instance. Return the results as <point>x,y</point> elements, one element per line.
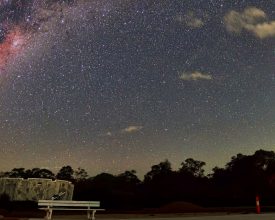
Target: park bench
<point>49,205</point>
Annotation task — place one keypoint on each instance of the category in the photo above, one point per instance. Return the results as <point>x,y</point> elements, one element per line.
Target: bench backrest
<point>64,203</point>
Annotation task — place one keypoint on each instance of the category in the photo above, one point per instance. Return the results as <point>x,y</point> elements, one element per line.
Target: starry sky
<point>115,85</point>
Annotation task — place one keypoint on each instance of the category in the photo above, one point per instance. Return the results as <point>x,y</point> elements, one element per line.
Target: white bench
<point>49,205</point>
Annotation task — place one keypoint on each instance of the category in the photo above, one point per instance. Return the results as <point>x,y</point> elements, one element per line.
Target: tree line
<point>237,184</point>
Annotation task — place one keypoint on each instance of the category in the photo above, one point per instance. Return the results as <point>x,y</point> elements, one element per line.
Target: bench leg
<point>49,214</point>
<point>91,217</point>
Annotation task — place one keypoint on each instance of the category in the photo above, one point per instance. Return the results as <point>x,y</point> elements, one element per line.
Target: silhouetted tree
<point>17,173</point>
<point>158,171</point>
<point>4,174</point>
<point>129,177</point>
<point>45,173</point>
<point>80,174</point>
<point>40,173</point>
<point>65,173</point>
<point>244,176</point>
<point>104,180</point>
<point>237,183</point>
<point>159,184</point>
<point>193,167</point>
<point>265,160</point>
<point>103,187</point>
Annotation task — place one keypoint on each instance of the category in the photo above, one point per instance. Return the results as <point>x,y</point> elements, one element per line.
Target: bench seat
<point>59,205</point>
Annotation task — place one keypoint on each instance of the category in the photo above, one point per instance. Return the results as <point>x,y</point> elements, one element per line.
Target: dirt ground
<point>172,210</point>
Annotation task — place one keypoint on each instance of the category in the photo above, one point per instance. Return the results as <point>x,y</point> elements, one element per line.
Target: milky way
<point>21,20</point>
<point>114,85</point>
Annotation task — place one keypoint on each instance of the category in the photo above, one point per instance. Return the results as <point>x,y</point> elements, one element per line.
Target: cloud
<point>132,129</point>
<point>253,20</point>
<point>196,75</point>
<point>106,134</point>
<point>264,30</point>
<point>109,133</point>
<point>190,20</point>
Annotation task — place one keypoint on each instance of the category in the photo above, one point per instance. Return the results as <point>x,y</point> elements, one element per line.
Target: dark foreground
<point>170,216</point>
<point>205,216</point>
<point>173,211</point>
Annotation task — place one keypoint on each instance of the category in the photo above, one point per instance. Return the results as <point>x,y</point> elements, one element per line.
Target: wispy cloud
<point>190,20</point>
<point>132,129</point>
<point>106,134</point>
<point>253,20</point>
<point>109,133</point>
<point>196,75</point>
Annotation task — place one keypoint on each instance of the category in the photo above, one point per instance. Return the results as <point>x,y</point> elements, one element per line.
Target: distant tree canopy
<point>193,167</point>
<point>236,183</point>
<point>129,177</point>
<point>65,173</point>
<point>33,173</point>
<point>246,175</point>
<point>40,173</point>
<point>80,174</point>
<point>17,172</point>
<point>158,171</point>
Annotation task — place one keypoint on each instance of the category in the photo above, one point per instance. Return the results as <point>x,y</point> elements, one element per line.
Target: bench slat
<point>68,203</point>
<point>72,209</point>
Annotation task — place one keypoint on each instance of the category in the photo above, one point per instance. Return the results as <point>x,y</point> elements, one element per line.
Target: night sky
<point>115,85</point>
